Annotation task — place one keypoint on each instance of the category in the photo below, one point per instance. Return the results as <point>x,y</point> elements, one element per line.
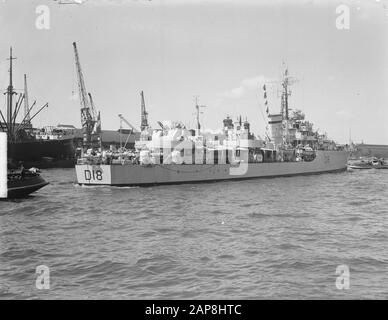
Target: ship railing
<point>21,175</point>
<point>111,160</point>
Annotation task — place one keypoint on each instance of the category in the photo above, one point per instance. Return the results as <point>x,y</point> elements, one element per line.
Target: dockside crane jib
<point>144,113</point>
<point>91,138</point>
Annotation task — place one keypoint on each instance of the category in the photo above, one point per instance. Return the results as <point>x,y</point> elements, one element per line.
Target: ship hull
<point>137,175</point>
<point>43,154</point>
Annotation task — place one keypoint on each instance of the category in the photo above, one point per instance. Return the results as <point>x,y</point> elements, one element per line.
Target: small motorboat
<point>360,166</point>
<point>23,183</point>
<point>372,163</point>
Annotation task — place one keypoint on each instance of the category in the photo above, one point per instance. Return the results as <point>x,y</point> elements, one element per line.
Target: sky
<point>221,51</point>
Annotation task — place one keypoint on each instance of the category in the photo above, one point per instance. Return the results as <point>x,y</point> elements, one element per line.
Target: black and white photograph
<point>193,150</point>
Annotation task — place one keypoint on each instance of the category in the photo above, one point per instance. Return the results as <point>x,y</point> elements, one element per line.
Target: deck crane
<point>122,119</point>
<point>88,113</point>
<point>26,104</point>
<point>160,124</point>
<point>133,129</point>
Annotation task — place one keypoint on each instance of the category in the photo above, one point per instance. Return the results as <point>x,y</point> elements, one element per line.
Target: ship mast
<point>10,93</point>
<point>10,125</point>
<point>197,107</point>
<point>144,114</point>
<point>287,81</point>
<point>285,94</point>
<point>88,117</point>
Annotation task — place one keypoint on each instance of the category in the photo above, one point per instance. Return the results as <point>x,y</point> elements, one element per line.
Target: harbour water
<point>266,238</point>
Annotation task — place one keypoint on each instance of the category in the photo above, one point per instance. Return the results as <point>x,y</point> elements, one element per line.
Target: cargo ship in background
<point>22,184</point>
<point>174,154</point>
<point>370,150</point>
<point>22,176</point>
<point>30,146</point>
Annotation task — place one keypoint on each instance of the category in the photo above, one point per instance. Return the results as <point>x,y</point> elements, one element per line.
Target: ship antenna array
<point>88,113</point>
<point>197,113</point>
<point>287,81</point>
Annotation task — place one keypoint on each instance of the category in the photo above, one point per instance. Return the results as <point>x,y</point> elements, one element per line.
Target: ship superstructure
<point>176,154</point>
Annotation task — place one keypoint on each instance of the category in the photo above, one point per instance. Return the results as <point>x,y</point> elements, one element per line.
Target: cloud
<point>254,82</point>
<point>246,85</point>
<point>234,93</point>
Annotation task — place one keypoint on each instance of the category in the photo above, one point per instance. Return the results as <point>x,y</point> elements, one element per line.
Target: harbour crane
<point>97,128</point>
<point>88,113</point>
<point>91,101</point>
<point>144,113</point>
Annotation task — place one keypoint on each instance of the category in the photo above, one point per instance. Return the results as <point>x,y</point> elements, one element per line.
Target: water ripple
<point>269,238</point>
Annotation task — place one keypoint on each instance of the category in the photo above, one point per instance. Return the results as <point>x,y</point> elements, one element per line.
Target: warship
<point>173,154</point>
